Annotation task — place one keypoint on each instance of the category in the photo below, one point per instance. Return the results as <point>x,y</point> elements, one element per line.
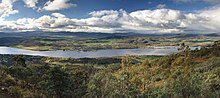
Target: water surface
<point>90,54</point>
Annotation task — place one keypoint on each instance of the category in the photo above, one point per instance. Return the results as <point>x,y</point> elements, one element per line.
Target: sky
<point>110,16</point>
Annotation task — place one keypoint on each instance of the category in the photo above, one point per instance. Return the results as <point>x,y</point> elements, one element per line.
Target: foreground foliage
<point>188,74</point>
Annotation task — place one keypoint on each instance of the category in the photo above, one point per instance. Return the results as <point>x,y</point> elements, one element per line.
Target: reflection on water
<point>90,54</point>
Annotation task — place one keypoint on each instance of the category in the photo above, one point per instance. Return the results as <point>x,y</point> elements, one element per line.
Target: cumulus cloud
<point>58,15</point>
<point>31,3</point>
<point>6,8</point>
<point>110,21</point>
<point>212,17</point>
<point>54,5</point>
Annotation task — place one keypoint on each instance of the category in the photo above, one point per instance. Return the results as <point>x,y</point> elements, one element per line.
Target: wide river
<point>91,54</point>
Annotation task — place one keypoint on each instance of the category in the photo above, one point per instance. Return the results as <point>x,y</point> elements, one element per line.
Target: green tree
<point>57,83</point>
<point>19,61</point>
<point>106,85</point>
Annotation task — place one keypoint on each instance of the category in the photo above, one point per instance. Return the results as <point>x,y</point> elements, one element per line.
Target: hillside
<point>188,74</point>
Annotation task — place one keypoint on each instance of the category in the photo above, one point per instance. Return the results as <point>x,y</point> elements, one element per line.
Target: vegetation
<point>96,41</point>
<point>188,74</point>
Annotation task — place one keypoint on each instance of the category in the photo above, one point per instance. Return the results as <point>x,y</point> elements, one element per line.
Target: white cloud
<point>57,5</point>
<point>31,3</point>
<point>6,8</point>
<point>160,6</point>
<point>58,15</point>
<point>142,21</point>
<point>102,13</point>
<point>212,17</point>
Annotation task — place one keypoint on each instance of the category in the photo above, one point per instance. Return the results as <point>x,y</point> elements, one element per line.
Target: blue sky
<point>86,6</point>
<point>142,16</point>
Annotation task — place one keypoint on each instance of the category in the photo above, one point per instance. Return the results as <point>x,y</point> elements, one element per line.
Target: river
<point>91,54</point>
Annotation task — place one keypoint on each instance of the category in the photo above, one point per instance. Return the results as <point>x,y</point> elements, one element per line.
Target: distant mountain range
<point>84,34</point>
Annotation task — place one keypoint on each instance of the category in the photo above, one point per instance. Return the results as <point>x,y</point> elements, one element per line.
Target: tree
<point>19,61</point>
<point>106,85</point>
<point>182,46</point>
<point>57,82</point>
<point>125,61</point>
<point>216,44</point>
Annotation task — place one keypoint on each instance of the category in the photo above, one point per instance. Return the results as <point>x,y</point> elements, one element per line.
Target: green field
<point>97,41</point>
